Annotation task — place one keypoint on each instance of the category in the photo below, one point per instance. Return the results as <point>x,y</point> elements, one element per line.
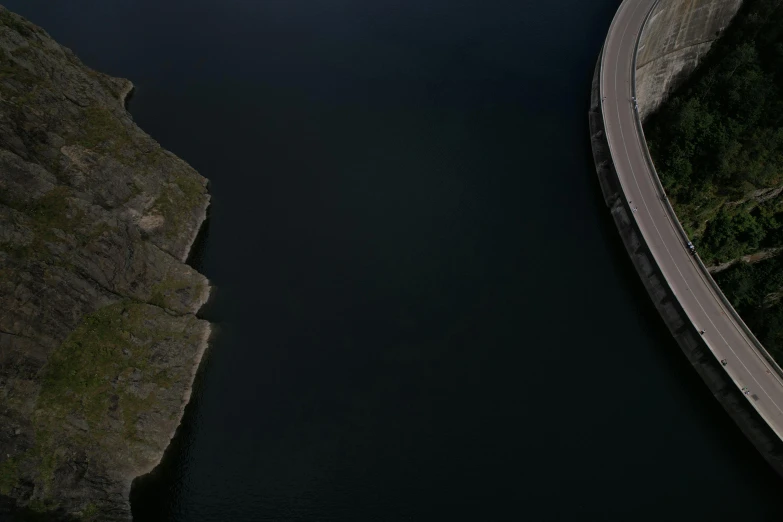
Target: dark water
<point>425,310</point>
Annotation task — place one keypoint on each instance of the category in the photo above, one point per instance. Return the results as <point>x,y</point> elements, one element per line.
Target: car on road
<point>691,248</point>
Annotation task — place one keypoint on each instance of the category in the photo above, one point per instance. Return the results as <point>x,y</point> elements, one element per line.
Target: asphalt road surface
<point>724,336</point>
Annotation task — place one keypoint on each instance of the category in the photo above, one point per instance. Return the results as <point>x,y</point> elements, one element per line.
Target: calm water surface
<point>425,310</point>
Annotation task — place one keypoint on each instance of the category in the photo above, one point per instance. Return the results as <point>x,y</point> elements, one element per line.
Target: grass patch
<point>164,294</point>
<point>52,210</point>
<point>49,212</point>
<point>101,374</point>
<point>12,21</point>
<point>41,508</point>
<point>18,85</point>
<point>102,130</point>
<point>90,512</point>
<point>9,475</point>
<point>97,360</point>
<point>49,457</point>
<point>177,201</point>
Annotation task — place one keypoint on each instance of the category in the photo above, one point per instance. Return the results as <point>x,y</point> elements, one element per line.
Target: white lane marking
<point>644,201</point>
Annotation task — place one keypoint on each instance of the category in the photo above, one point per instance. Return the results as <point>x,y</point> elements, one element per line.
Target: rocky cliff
<point>677,35</point>
<point>99,341</point>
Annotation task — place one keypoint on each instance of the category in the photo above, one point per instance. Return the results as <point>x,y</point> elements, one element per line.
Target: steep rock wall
<point>677,35</point>
<point>99,340</point>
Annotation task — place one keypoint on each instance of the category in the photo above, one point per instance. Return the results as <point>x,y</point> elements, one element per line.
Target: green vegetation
<point>95,388</point>
<point>49,454</point>
<point>8,19</point>
<point>52,210</point>
<point>99,127</point>
<point>90,511</point>
<point>177,200</point>
<point>718,142</point>
<point>754,291</point>
<point>93,371</point>
<point>9,476</point>
<point>48,214</point>
<point>102,131</point>
<point>46,455</point>
<point>122,366</point>
<point>164,294</point>
<point>11,71</point>
<point>718,147</point>
<point>733,233</point>
<point>104,81</point>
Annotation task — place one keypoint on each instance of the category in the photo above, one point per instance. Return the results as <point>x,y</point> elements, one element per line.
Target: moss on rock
<point>100,340</point>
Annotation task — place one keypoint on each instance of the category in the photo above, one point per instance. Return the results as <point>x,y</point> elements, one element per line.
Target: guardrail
<point>673,216</point>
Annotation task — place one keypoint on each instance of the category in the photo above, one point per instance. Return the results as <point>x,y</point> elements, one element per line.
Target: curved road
<point>724,336</point>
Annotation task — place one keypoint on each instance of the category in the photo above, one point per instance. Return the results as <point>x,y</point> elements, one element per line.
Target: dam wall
<point>684,332</point>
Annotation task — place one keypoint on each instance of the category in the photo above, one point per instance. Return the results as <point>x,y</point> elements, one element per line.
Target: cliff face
<point>677,35</point>
<point>99,340</point>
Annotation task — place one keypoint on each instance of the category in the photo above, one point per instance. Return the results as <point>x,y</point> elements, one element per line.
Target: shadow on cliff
<point>9,512</point>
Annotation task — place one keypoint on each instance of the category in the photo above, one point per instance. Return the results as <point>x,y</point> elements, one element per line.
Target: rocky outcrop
<point>99,340</point>
<point>755,257</point>
<point>677,35</point>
